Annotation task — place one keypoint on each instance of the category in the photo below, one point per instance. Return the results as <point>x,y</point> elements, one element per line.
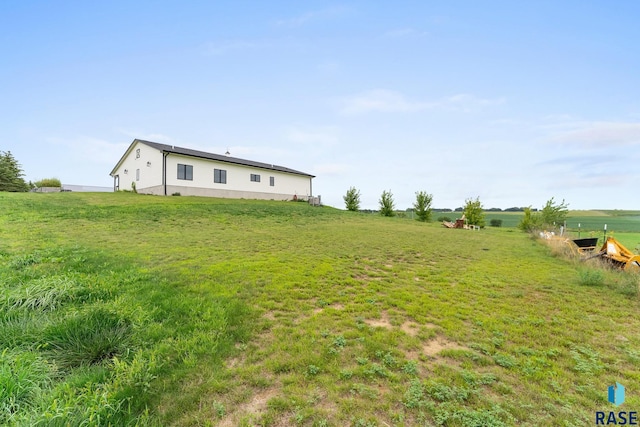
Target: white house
<point>163,169</point>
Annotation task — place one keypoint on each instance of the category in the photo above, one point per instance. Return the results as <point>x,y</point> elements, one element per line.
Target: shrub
<point>386,204</point>
<point>352,199</point>
<point>48,182</point>
<point>495,222</point>
<point>175,194</point>
<point>422,206</point>
<point>444,218</point>
<point>552,215</point>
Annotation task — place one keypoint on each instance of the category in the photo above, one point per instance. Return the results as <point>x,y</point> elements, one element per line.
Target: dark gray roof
<point>219,157</point>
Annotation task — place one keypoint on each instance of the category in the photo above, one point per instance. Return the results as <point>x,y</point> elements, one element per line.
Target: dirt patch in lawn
<point>255,406</point>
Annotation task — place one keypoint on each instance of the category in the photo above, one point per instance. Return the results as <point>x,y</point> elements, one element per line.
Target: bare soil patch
<point>256,405</point>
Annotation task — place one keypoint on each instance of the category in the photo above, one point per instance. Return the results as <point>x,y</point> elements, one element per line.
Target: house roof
<point>172,149</point>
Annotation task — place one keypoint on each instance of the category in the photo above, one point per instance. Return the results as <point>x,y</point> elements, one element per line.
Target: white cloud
<point>382,100</point>
<point>467,102</point>
<point>600,134</point>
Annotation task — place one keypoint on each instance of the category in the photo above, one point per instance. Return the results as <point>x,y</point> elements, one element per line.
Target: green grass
<point>126,309</point>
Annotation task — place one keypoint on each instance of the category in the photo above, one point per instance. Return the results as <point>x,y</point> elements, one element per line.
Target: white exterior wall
<point>238,180</point>
<point>150,176</point>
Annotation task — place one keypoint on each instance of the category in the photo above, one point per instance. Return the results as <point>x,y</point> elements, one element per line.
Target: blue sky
<point>511,102</point>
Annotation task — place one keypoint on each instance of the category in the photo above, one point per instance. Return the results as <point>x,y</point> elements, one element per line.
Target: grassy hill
<point>130,309</point>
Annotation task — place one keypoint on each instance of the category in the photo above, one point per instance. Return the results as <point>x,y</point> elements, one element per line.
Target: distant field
<point>617,221</point>
<point>124,309</point>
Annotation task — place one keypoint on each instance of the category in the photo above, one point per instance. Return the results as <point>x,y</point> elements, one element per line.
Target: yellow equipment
<point>618,255</point>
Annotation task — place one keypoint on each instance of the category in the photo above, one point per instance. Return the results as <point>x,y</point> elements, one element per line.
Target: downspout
<point>164,171</point>
<point>114,183</point>
<point>311,186</point>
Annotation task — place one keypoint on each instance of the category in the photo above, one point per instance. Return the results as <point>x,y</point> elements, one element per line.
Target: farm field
<point>126,309</point>
<point>623,225</point>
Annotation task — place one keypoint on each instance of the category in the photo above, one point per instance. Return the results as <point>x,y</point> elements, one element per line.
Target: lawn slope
<point>132,309</point>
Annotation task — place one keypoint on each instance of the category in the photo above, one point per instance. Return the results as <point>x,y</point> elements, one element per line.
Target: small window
<point>220,176</point>
<point>272,181</point>
<point>185,172</point>
<point>137,174</point>
<point>255,178</point>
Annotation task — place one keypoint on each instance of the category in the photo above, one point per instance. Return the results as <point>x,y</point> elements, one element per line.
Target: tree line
<point>552,215</point>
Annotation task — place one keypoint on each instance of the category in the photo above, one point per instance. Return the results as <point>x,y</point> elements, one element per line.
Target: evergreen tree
<point>11,173</point>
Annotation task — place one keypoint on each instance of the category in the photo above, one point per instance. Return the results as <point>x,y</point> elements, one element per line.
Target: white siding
<point>150,175</point>
<point>238,178</point>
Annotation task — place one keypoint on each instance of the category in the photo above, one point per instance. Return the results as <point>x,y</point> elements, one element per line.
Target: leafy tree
<point>11,173</point>
<point>473,212</point>
<point>552,215</point>
<point>352,199</point>
<point>422,206</point>
<point>386,204</point>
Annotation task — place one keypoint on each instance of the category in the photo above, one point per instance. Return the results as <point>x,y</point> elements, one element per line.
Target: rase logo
<point>616,396</point>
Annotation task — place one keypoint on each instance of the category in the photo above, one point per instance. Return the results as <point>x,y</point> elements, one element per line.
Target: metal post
<point>605,232</point>
<point>578,230</point>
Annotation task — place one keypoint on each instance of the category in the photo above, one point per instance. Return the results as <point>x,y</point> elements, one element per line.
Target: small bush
<point>176,193</point>
<point>48,182</point>
<point>591,277</point>
<point>495,222</point>
<point>444,218</point>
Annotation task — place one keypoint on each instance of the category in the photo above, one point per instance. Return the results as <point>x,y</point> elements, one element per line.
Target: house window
<point>220,176</point>
<point>185,172</point>
<point>272,181</point>
<point>137,174</point>
<point>255,178</point>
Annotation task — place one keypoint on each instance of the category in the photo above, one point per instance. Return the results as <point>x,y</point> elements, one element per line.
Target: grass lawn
<point>125,309</point>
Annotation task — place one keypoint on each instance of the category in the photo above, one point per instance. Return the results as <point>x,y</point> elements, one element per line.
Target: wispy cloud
<point>381,100</point>
<point>307,17</point>
<point>600,134</point>
<point>321,136</point>
<point>591,181</point>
